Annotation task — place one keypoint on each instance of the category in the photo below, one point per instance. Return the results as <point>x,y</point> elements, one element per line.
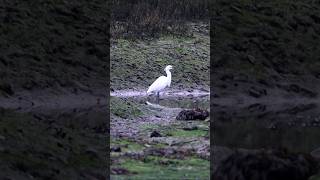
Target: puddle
<point>172,93</point>
<point>187,102</point>
<point>156,112</point>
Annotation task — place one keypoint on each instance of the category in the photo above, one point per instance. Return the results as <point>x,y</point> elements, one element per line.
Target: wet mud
<point>155,139</point>
<point>46,142</point>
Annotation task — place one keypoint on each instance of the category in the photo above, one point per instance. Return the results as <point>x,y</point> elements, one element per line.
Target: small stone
<point>190,128</point>
<point>118,171</point>
<point>155,134</point>
<point>115,149</point>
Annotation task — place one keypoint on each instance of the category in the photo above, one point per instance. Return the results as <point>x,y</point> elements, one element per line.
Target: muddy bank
<point>145,135</point>
<point>41,101</point>
<point>264,164</point>
<point>49,46</point>
<point>266,49</point>
<point>289,125</point>
<point>285,124</point>
<point>53,68</point>
<point>265,77</point>
<point>53,144</point>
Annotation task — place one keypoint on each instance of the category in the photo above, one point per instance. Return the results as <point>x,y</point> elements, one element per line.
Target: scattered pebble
<point>155,134</point>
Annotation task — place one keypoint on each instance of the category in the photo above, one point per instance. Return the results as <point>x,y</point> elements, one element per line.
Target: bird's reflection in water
<point>154,99</point>
<point>155,105</point>
<point>177,102</point>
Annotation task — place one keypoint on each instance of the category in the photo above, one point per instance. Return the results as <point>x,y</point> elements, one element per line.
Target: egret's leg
<point>158,97</point>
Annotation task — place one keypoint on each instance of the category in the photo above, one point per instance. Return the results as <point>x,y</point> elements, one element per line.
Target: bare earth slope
<point>266,48</point>
<point>53,69</point>
<point>53,45</point>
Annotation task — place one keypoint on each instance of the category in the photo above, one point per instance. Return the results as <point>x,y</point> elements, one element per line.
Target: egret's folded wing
<point>158,84</point>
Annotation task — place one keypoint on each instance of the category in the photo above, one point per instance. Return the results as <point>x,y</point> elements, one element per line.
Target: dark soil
<point>53,45</point>
<point>265,81</point>
<point>266,49</point>
<point>276,165</point>
<point>53,69</point>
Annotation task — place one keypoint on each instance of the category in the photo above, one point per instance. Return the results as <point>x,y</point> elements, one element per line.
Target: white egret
<point>162,82</point>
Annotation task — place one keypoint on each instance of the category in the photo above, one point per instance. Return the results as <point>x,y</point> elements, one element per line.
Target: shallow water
<point>171,93</point>
<point>187,102</point>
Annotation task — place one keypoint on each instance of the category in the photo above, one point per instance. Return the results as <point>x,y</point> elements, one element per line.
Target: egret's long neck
<point>168,76</point>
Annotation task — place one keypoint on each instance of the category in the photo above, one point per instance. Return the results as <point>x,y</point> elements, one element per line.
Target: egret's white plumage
<point>162,82</point>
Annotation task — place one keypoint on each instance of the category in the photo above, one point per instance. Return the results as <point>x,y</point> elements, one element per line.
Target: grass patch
<point>138,63</point>
<point>155,167</point>
<point>150,127</point>
<point>124,109</point>
<point>127,145</point>
<point>189,133</point>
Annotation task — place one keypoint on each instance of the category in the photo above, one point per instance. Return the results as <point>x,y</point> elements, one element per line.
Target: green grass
<point>127,145</point>
<point>138,63</point>
<point>189,133</point>
<point>149,127</point>
<point>124,109</point>
<point>163,168</point>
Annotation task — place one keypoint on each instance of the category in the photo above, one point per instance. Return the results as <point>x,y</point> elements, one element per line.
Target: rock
<point>155,134</point>
<point>190,128</point>
<point>118,171</point>
<point>115,149</point>
<point>194,114</point>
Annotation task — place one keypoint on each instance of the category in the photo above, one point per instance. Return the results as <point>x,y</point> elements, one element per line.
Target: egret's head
<point>169,67</point>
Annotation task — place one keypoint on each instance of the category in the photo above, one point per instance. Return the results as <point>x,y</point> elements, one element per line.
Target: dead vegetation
<point>150,18</point>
